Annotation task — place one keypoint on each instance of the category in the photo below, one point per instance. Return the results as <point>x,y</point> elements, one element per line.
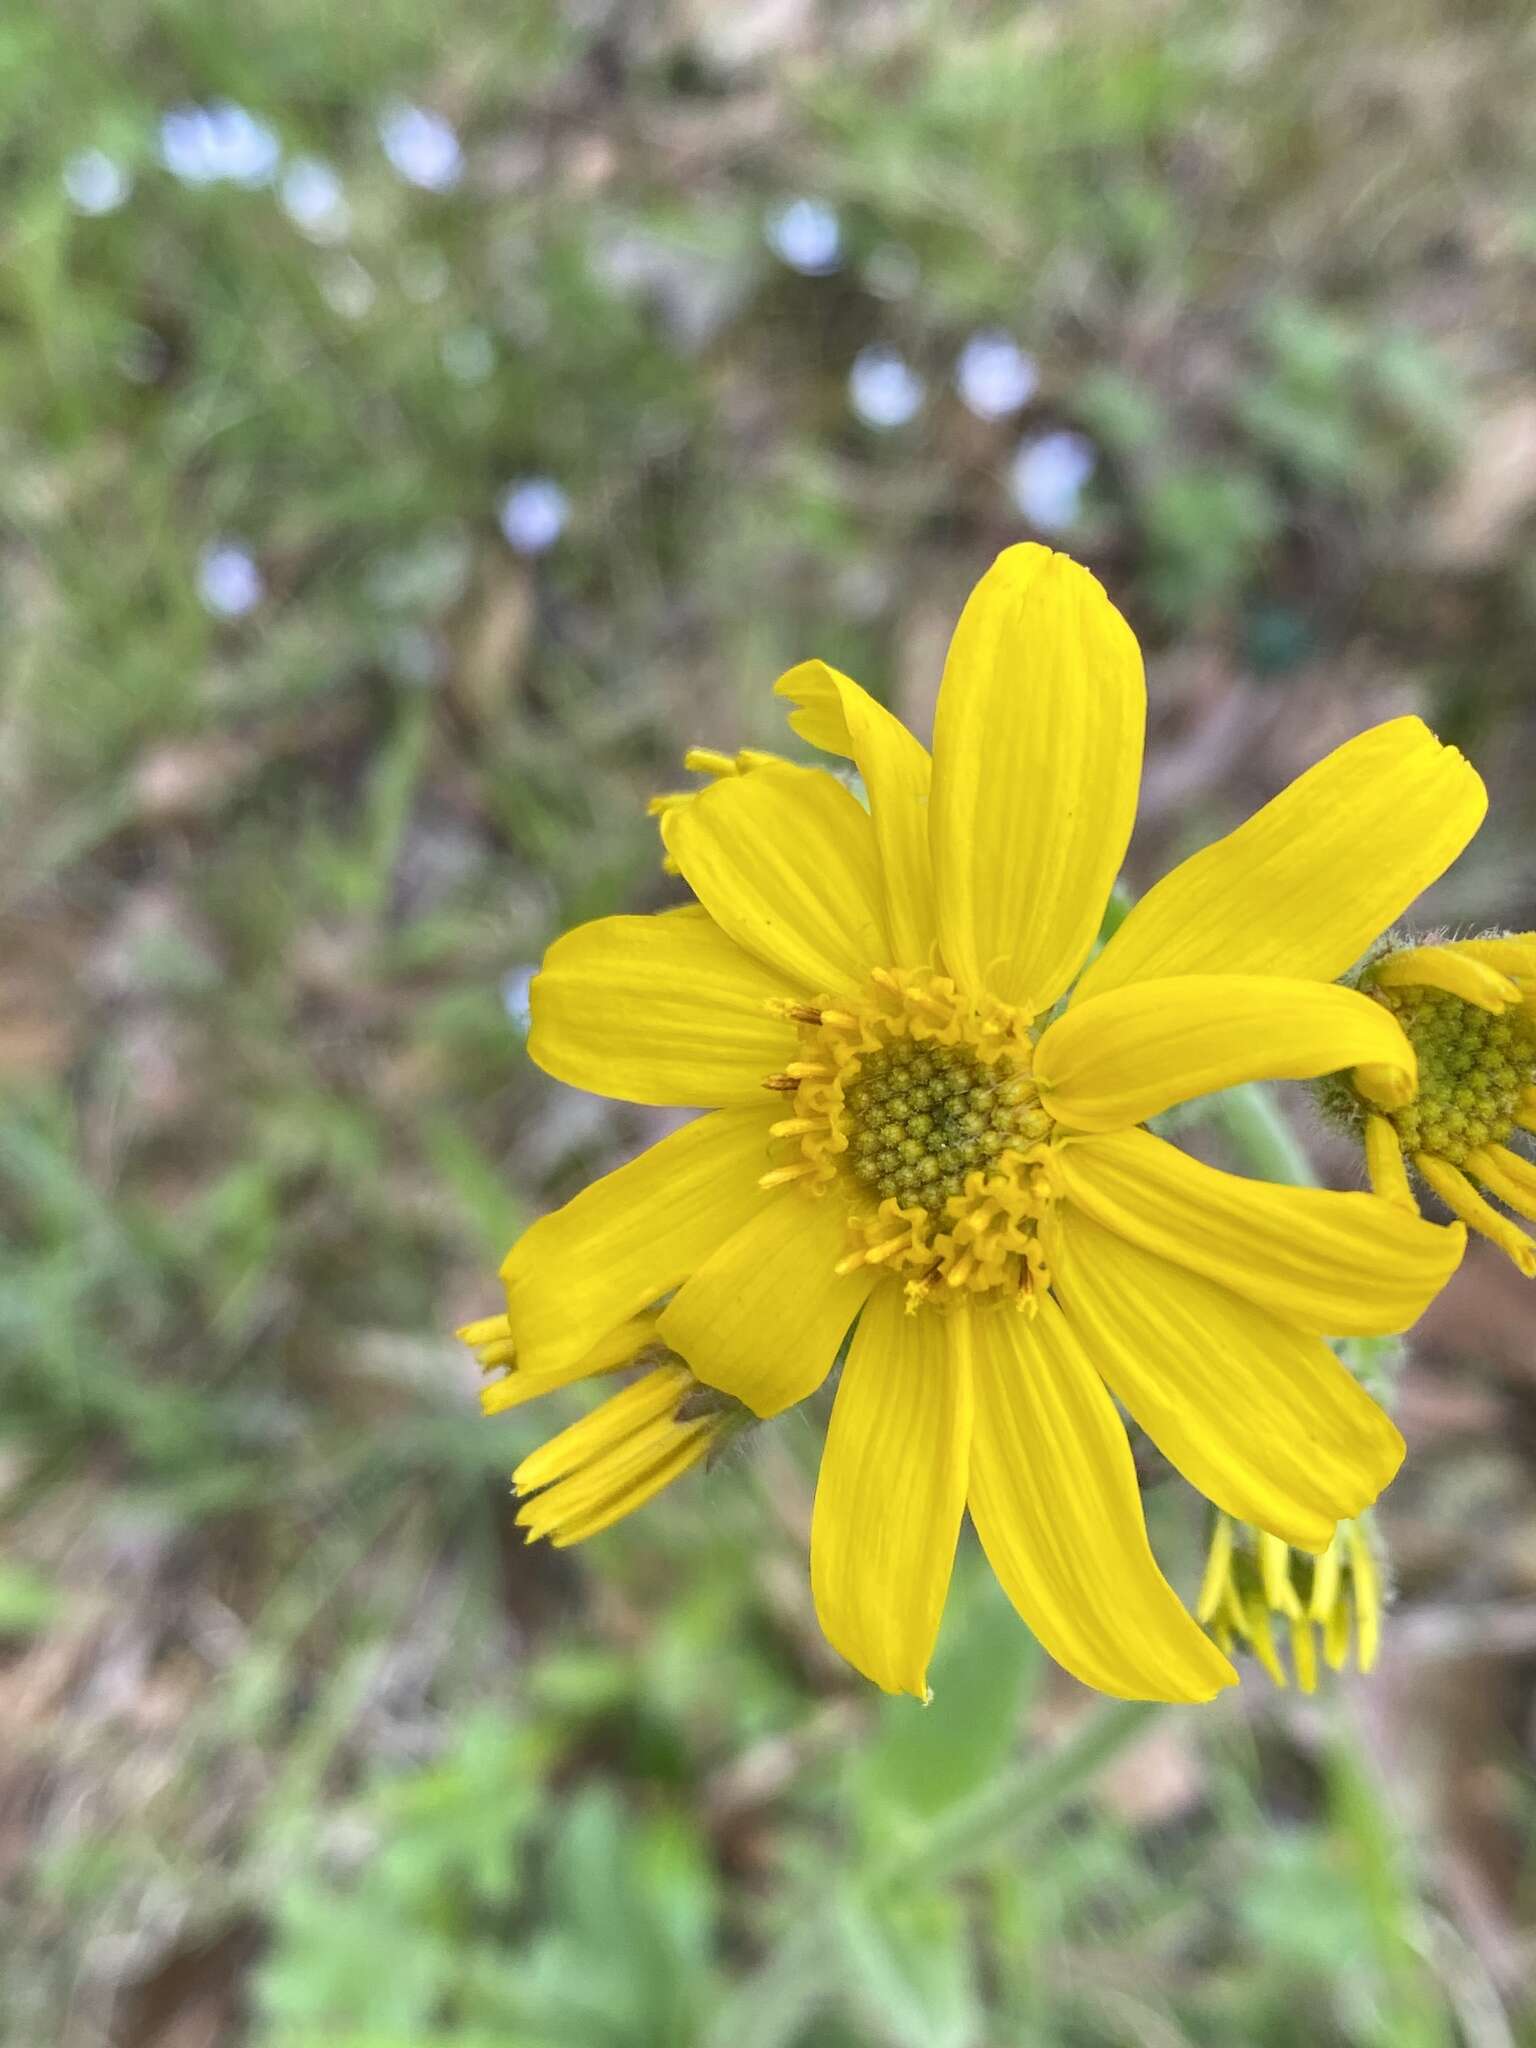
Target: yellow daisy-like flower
<point>631,1445</point>
<point>1468,1007</point>
<point>941,1162</point>
<point>1253,1581</point>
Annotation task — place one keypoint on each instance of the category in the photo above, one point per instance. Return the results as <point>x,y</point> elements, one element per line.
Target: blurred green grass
<point>304,1749</point>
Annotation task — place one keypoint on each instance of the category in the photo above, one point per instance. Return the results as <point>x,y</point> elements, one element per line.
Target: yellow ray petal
<point>1514,956</point>
<point>683,1450</point>
<point>784,859</point>
<point>1275,1571</point>
<point>1304,1654</point>
<point>1345,1265</point>
<point>1384,1163</point>
<point>1326,1581</point>
<point>1123,1056</point>
<point>1218,1564</point>
<point>1451,968</point>
<point>833,713</point>
<point>1463,1200</point>
<point>622,1242</point>
<point>1365,1584</point>
<point>658,1009</point>
<point>1310,880</point>
<point>1259,1630</point>
<point>1507,1175</point>
<point>1054,1498</point>
<point>891,1492</point>
<point>619,1347</point>
<point>622,1418</point>
<point>1261,1418</point>
<point>762,1318</point>
<point>1037,756</point>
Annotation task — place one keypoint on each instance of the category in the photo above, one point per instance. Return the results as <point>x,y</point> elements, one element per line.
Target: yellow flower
<point>631,1445</point>
<point>1468,1007</point>
<point>1254,1580</point>
<point>964,1177</point>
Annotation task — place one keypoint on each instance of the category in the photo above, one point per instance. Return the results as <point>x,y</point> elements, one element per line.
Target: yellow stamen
<point>781,1176</point>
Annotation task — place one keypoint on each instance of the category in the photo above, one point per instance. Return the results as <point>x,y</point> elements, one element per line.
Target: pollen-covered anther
<point>919,1111</point>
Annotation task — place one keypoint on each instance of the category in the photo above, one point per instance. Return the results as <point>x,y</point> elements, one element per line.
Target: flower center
<point>916,1107</point>
<point>919,1120</point>
<point>1474,1068</point>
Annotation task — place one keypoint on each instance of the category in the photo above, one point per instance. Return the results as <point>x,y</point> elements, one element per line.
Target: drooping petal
<point>1451,968</point>
<point>1384,1165</point>
<point>659,1009</point>
<point>576,1274</point>
<point>784,860</point>
<point>1463,1200</point>
<point>1260,1417</point>
<point>1305,885</point>
<point>1054,1498</point>
<point>1514,956</point>
<point>762,1318</point>
<point>609,1427</point>
<point>891,1492</point>
<point>1347,1265</point>
<point>1037,755</point>
<point>515,1387</point>
<point>611,1461</point>
<point>1123,1056</point>
<point>835,714</point>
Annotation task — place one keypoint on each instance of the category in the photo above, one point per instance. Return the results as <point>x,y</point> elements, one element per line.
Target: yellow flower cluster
<point>1468,1009</point>
<point>925,1126</point>
<point>1254,1582</point>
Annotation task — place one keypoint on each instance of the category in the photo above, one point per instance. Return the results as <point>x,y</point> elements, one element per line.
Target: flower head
<point>1468,1009</point>
<point>622,1454</point>
<point>907,1136</point>
<point>1255,1584</point>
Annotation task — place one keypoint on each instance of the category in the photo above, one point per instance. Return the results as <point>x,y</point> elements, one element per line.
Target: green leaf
<point>924,1759</point>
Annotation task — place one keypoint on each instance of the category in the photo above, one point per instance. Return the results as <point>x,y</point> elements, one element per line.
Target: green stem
<point>1264,1136</point>
<point>771,2007</point>
<point>1033,1791</point>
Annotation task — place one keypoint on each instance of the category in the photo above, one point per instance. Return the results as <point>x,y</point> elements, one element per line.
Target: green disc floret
<point>917,1122</point>
<point>1473,1069</point>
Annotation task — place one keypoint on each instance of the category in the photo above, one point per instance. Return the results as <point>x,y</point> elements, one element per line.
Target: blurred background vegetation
<point>418,424</point>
